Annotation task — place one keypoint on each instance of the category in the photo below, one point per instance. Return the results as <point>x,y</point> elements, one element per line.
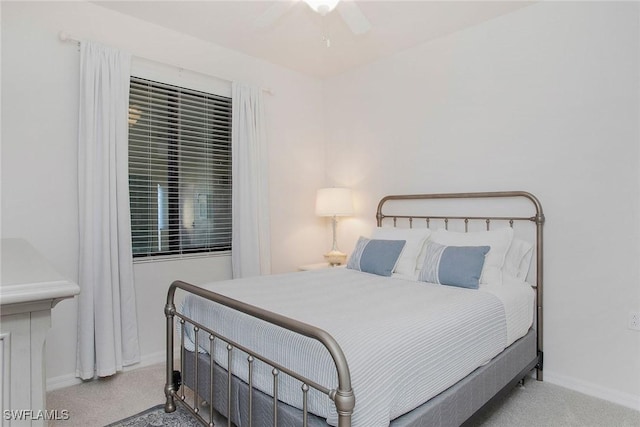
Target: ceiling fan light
<point>322,6</point>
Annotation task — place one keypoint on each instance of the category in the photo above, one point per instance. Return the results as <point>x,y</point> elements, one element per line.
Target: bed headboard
<point>449,213</point>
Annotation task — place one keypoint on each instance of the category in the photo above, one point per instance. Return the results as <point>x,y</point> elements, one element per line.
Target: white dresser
<point>29,289</point>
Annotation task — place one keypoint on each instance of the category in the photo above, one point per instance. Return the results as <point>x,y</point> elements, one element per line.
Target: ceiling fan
<point>348,10</point>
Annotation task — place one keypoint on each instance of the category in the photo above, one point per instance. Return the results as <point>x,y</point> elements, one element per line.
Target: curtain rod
<point>66,37</point>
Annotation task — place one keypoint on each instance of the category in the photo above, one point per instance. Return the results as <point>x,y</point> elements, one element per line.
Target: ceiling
<point>296,39</point>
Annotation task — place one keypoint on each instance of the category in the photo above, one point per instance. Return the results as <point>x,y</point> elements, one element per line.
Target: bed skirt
<point>452,407</point>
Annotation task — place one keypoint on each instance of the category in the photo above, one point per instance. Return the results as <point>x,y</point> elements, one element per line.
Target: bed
<point>372,344</point>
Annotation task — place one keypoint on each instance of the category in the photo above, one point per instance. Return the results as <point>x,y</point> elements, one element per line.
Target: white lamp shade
<point>334,201</point>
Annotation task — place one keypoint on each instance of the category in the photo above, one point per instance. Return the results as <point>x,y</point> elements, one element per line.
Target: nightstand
<point>319,266</point>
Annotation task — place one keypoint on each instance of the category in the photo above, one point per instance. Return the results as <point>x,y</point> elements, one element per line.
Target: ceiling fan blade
<point>273,13</point>
<point>353,17</point>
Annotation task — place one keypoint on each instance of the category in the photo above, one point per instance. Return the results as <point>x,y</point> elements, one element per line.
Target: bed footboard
<point>343,397</point>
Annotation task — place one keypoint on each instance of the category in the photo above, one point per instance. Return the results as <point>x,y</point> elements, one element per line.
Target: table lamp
<point>334,202</point>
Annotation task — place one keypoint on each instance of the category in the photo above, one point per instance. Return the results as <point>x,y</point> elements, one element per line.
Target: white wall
<point>546,100</point>
<point>39,161</point>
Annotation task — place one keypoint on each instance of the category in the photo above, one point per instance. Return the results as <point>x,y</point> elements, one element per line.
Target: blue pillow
<point>376,256</point>
<point>453,265</point>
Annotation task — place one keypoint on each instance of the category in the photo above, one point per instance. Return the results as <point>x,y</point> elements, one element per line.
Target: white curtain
<point>107,324</point>
<point>250,200</point>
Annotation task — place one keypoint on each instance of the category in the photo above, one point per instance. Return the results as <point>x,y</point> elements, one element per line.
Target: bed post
<point>345,402</point>
<point>170,387</point>
<point>539,280</point>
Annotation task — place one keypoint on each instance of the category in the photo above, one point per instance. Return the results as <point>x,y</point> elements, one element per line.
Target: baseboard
<point>62,381</point>
<point>610,395</point>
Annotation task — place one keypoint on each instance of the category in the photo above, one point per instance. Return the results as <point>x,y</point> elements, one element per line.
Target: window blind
<point>179,169</point>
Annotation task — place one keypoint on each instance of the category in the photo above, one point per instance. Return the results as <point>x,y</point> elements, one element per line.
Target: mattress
<point>405,341</point>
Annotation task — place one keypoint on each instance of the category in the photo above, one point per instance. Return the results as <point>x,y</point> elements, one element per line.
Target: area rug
<point>156,417</point>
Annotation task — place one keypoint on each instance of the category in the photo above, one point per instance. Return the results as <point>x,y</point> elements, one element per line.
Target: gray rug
<point>156,417</point>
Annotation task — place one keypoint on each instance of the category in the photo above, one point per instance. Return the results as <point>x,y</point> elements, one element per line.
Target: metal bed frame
<point>343,396</point>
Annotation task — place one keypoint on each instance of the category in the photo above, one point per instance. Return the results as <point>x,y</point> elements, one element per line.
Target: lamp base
<point>335,258</point>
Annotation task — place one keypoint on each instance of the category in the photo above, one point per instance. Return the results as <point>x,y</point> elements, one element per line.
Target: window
<point>179,170</point>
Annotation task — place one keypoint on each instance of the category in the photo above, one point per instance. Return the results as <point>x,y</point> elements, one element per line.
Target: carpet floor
<point>537,404</point>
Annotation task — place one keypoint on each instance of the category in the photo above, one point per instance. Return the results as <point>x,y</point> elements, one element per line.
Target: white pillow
<point>499,241</point>
<point>415,238</point>
<point>518,259</point>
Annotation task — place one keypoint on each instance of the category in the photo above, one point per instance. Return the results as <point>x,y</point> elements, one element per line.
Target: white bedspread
<point>405,341</point>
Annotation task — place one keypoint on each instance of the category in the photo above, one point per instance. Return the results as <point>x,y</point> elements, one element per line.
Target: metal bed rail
<point>343,397</point>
